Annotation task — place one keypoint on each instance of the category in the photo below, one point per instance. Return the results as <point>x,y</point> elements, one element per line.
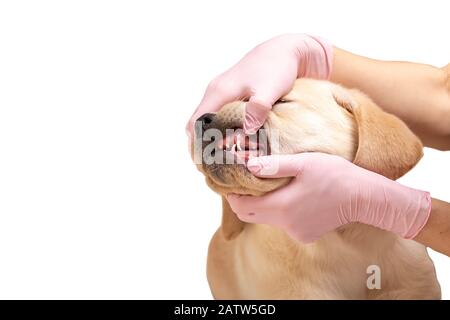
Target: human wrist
<point>424,211</point>
<point>315,56</point>
<point>397,208</point>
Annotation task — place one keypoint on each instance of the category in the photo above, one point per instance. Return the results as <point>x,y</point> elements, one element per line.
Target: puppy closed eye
<point>281,101</point>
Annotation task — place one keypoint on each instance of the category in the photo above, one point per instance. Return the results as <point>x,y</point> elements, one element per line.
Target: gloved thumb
<point>256,111</point>
<point>277,166</point>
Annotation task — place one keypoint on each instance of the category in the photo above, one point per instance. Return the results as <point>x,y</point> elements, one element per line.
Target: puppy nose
<point>206,119</point>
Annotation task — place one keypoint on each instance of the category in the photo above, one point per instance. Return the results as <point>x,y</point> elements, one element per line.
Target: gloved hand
<point>328,192</point>
<point>264,75</point>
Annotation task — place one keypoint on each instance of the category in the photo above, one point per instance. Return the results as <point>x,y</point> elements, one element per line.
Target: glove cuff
<point>421,216</point>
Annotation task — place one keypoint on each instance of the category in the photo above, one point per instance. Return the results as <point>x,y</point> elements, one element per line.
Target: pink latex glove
<point>264,75</point>
<point>328,192</point>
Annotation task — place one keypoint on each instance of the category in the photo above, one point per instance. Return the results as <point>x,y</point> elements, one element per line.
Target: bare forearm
<point>418,94</point>
<point>436,233</point>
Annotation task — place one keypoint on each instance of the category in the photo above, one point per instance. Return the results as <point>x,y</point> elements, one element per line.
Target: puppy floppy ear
<point>385,144</point>
<point>231,225</point>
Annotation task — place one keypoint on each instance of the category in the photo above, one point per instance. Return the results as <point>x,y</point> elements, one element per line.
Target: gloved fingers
<point>255,209</point>
<point>216,96</point>
<point>277,166</point>
<point>256,111</point>
<point>265,91</point>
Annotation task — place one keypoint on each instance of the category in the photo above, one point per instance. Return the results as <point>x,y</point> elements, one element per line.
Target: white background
<point>98,196</point>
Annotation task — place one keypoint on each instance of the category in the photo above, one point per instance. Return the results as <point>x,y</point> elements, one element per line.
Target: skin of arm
<point>419,94</point>
<point>436,233</point>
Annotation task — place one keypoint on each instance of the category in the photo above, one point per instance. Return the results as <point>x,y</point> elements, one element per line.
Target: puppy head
<point>307,119</point>
<point>316,116</point>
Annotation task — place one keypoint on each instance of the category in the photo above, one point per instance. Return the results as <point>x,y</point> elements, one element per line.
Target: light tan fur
<point>248,261</point>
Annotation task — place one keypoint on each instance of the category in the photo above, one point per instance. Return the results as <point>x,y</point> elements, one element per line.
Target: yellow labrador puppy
<point>249,261</point>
